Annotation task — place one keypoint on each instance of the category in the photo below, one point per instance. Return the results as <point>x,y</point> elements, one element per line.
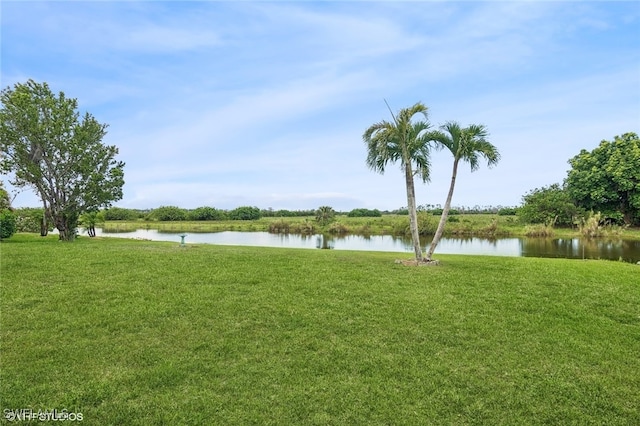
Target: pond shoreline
<point>477,225</point>
<point>571,248</point>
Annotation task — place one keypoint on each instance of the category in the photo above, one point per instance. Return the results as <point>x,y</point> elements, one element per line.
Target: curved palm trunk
<point>413,214</point>
<point>445,212</point>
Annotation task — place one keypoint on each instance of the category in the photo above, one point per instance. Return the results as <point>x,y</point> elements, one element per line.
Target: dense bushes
<point>549,205</point>
<point>207,213</point>
<point>438,212</point>
<point>245,213</point>
<point>507,211</point>
<point>364,213</point>
<point>287,213</point>
<point>174,213</point>
<point>29,219</point>
<point>118,213</point>
<point>7,223</point>
<point>281,226</point>
<point>168,213</point>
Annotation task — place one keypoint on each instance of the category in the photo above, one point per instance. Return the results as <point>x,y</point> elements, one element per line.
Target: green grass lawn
<point>148,333</point>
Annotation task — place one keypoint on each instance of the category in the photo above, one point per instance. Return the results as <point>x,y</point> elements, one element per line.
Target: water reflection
<point>325,242</point>
<point>578,248</point>
<point>575,248</point>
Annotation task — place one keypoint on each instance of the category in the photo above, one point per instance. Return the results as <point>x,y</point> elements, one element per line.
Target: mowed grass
<point>146,333</point>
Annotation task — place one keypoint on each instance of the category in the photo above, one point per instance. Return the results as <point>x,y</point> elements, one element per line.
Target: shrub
<point>279,226</point>
<point>491,229</point>
<point>29,219</point>
<point>539,230</point>
<point>337,228</point>
<point>284,213</point>
<point>400,226</point>
<point>426,226</point>
<point>364,213</point>
<point>403,211</point>
<point>364,230</point>
<point>207,213</point>
<point>549,203</point>
<point>305,228</point>
<point>612,218</point>
<point>118,213</point>
<point>245,213</point>
<point>7,223</point>
<point>168,213</point>
<point>507,211</point>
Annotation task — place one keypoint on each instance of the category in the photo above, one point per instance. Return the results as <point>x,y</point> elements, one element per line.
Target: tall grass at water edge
<point>147,333</point>
<point>593,227</point>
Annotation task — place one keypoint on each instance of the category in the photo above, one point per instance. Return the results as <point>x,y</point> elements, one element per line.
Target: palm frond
<point>401,140</point>
<point>468,144</point>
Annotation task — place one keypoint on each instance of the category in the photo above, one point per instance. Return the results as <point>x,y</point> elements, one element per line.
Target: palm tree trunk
<point>413,214</point>
<point>445,212</point>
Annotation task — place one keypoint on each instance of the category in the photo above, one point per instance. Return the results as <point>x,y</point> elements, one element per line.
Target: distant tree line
<point>29,219</point>
<point>174,213</point>
<point>436,210</point>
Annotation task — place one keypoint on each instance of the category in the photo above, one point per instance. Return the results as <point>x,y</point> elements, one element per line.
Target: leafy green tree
<point>468,145</point>
<point>168,213</point>
<point>5,202</point>
<point>507,211</point>
<point>245,213</point>
<point>46,146</point>
<point>406,141</point>
<point>284,213</point>
<point>7,216</point>
<point>206,213</point>
<point>325,215</point>
<point>364,213</point>
<point>7,223</point>
<point>549,205</point>
<point>119,213</point>
<point>607,179</point>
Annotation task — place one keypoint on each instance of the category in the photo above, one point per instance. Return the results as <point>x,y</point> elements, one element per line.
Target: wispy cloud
<point>264,103</point>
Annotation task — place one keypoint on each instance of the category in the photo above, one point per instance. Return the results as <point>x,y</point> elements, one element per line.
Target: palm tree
<point>468,145</point>
<point>324,215</point>
<point>408,142</point>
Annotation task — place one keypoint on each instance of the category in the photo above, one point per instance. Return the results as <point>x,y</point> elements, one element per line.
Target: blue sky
<point>226,104</point>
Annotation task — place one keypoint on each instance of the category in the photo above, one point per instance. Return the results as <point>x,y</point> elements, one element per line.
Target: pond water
<point>572,248</point>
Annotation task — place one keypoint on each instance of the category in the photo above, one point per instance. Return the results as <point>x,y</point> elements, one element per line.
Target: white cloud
<point>252,103</point>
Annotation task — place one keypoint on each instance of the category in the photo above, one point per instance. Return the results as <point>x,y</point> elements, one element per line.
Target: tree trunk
<point>413,214</point>
<point>66,226</point>
<point>44,226</point>
<point>445,212</point>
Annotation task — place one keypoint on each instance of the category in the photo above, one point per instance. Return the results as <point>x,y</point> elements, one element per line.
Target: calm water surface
<point>572,248</point>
